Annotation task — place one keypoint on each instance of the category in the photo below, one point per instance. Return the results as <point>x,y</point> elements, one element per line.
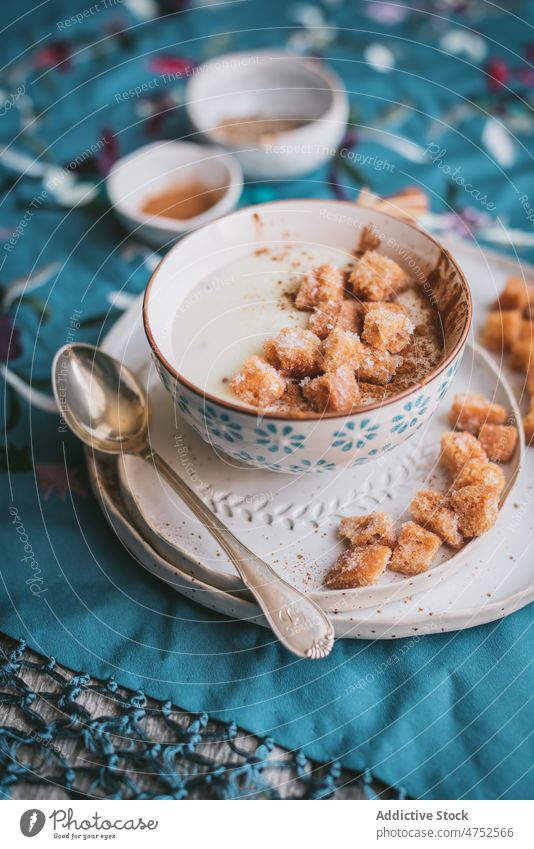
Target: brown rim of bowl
<point>206,396</point>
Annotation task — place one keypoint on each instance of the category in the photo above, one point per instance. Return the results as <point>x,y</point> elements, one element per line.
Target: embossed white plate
<point>291,521</point>
<point>496,579</point>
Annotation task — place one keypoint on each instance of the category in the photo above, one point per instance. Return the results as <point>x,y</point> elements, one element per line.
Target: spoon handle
<point>298,622</point>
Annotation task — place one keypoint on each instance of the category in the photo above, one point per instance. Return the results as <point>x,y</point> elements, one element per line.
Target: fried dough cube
<point>515,295</point>
<point>294,351</point>
<point>364,530</point>
<point>350,316</point>
<point>324,318</point>
<point>432,511</point>
<point>358,567</point>
<point>376,366</point>
<point>416,548</point>
<point>476,508</point>
<point>324,283</point>
<point>333,391</point>
<point>498,441</point>
<point>470,411</point>
<point>523,347</point>
<point>387,329</point>
<point>501,329</point>
<point>341,348</point>
<point>258,383</point>
<point>528,427</point>
<point>376,277</point>
<point>457,448</point>
<point>478,473</point>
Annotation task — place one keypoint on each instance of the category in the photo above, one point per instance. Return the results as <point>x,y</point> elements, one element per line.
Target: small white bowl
<point>155,167</point>
<point>267,83</point>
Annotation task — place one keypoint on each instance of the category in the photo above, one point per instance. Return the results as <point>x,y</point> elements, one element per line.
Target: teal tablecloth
<point>452,718</point>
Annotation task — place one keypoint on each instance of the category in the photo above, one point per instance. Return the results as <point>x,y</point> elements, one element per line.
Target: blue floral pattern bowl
<point>315,443</point>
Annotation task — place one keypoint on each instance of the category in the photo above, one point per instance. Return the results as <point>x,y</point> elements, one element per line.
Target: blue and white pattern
<point>279,438</point>
<point>412,416</point>
<point>355,434</point>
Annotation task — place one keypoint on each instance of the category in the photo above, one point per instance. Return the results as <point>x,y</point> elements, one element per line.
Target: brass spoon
<point>106,407</point>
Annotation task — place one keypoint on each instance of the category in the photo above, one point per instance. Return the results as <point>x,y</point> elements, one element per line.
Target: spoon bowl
<point>101,401</point>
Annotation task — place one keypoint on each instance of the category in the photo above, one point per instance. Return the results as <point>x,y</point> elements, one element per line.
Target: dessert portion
<point>468,508</point>
<point>509,329</point>
<point>359,336</point>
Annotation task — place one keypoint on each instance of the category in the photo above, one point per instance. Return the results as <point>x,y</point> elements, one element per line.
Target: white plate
<point>496,580</point>
<point>291,521</point>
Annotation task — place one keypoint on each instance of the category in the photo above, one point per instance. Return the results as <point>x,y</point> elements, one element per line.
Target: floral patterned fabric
<point>441,97</point>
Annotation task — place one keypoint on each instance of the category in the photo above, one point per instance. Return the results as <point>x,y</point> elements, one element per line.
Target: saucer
<point>480,591</point>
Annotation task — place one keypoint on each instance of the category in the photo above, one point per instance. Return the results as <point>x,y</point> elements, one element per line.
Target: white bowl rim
<point>312,416</point>
<point>333,82</point>
<point>230,196</point>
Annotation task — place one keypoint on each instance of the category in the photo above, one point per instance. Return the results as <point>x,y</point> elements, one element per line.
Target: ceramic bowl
<point>154,167</point>
<point>315,442</point>
<point>272,84</point>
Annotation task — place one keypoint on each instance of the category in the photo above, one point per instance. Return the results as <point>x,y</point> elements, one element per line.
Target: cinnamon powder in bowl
<point>166,189</point>
<point>182,200</point>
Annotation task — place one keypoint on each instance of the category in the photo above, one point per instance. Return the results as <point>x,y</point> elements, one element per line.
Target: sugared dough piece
<point>515,295</point>
<point>457,448</point>
<point>258,383</point>
<point>387,329</point>
<point>350,316</point>
<point>522,357</point>
<point>478,473</point>
<point>332,392</point>
<point>528,427</point>
<point>358,567</point>
<point>324,318</point>
<point>341,348</point>
<point>498,441</point>
<point>392,306</point>
<point>322,284</point>
<point>375,366</point>
<point>501,330</point>
<point>476,508</point>
<point>470,411</point>
<point>416,548</point>
<point>364,530</point>
<point>294,352</point>
<point>432,511</point>
<point>376,277</point>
